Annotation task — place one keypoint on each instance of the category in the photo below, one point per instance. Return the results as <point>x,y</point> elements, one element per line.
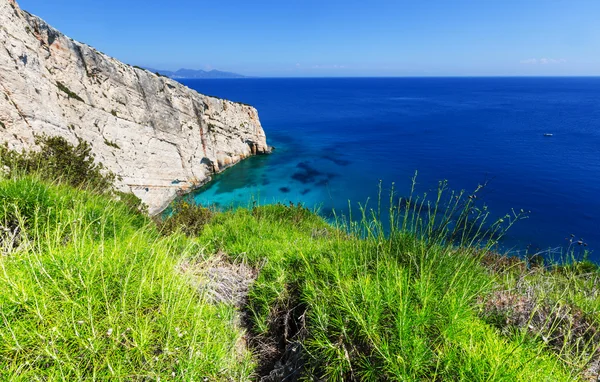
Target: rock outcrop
<point>160,137</point>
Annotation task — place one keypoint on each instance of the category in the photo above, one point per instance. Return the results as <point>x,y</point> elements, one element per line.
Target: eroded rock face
<point>160,137</point>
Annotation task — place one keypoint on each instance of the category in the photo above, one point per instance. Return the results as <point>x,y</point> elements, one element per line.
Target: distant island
<point>192,73</point>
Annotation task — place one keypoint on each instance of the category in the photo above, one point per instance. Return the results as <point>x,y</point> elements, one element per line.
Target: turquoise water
<point>336,139</point>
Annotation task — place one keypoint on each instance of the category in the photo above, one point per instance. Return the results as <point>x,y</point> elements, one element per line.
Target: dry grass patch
<point>220,280</point>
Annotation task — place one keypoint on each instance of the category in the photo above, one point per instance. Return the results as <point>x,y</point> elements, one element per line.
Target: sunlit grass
<point>91,289</point>
<point>383,304</point>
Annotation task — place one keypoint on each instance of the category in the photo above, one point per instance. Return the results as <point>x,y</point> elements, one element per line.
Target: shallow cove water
<point>336,138</point>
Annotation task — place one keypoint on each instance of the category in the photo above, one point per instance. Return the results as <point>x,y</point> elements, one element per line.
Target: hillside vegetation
<point>93,289</point>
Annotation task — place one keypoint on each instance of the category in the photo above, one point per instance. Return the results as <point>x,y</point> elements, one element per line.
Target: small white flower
<point>109,331</point>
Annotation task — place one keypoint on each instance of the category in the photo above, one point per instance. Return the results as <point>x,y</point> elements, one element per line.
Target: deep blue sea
<point>336,139</point>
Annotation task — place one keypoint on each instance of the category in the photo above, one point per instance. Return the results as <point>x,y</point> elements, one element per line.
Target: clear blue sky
<point>340,38</point>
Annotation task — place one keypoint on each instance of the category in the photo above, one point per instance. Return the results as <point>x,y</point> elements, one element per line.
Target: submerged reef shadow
<point>307,173</point>
<point>310,175</point>
<point>336,160</point>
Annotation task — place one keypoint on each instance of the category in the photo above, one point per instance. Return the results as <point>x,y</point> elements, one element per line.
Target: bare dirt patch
<point>279,352</point>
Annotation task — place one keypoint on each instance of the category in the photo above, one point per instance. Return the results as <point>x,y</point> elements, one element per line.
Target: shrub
<point>188,217</point>
<point>132,202</point>
<point>59,159</point>
<point>295,214</point>
<point>111,144</point>
<point>68,91</point>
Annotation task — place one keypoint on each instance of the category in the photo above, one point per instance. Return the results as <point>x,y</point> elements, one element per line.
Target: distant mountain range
<point>191,73</point>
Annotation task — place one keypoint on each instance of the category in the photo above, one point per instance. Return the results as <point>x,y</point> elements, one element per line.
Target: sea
<point>533,143</point>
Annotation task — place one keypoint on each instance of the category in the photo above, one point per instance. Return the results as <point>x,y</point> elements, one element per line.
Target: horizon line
<point>406,76</point>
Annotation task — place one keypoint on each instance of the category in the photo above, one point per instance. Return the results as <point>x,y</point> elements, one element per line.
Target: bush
<point>132,202</point>
<point>295,214</point>
<point>189,218</point>
<point>59,159</point>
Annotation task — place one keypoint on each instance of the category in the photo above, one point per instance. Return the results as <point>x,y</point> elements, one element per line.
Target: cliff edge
<point>160,137</point>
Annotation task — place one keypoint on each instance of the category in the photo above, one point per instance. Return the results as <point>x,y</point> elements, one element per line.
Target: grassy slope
<point>378,309</point>
<point>93,291</point>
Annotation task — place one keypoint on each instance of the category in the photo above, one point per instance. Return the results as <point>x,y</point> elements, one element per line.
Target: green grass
<point>565,308</point>
<point>92,289</point>
<point>377,307</point>
<point>92,292</point>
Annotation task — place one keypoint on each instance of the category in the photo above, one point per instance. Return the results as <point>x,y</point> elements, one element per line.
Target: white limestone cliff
<point>160,137</point>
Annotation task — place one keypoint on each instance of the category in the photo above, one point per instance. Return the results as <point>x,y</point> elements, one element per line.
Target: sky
<point>331,38</point>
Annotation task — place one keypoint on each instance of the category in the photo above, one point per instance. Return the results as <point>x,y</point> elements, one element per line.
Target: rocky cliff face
<point>159,136</point>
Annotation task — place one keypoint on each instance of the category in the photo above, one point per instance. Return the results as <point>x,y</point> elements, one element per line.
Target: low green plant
<point>292,214</point>
<point>111,144</point>
<point>132,202</point>
<point>185,216</point>
<point>556,304</point>
<point>68,92</point>
<point>58,159</point>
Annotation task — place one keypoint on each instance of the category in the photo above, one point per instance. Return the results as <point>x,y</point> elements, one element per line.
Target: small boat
<point>548,134</point>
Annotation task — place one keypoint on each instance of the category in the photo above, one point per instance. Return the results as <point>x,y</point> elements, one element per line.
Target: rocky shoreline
<point>158,136</point>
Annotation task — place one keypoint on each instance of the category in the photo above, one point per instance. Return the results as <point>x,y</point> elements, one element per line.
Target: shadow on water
<point>308,174</point>
<point>337,161</point>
